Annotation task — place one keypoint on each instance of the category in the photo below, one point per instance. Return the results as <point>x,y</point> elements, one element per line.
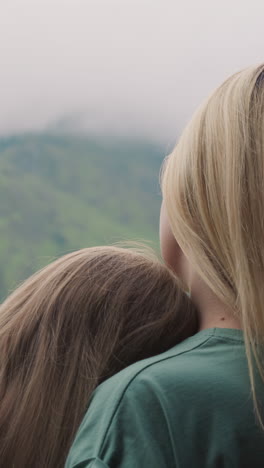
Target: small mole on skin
<point>222,318</point>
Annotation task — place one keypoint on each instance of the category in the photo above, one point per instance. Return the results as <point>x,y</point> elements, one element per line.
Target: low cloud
<point>133,67</point>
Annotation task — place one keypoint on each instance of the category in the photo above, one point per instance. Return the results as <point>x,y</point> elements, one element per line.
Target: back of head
<point>213,187</point>
<point>66,329</point>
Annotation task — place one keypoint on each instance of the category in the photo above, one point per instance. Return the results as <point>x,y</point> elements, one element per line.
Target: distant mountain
<point>59,193</point>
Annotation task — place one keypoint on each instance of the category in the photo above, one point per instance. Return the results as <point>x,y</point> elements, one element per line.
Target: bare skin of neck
<point>212,312</point>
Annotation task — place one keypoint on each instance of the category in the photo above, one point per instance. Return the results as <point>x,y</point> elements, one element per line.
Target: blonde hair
<point>213,188</point>
<point>78,321</point>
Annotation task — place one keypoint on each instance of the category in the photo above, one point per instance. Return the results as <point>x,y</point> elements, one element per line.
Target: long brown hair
<point>78,321</point>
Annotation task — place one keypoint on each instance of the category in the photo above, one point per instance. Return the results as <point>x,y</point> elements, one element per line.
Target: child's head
<point>67,328</point>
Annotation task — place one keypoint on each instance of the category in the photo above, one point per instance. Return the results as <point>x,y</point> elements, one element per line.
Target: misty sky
<point>130,66</point>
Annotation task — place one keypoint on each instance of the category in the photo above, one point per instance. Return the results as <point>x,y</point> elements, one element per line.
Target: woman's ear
<point>169,247</point>
<point>171,252</point>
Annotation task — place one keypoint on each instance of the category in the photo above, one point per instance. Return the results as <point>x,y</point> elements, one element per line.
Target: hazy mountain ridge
<point>59,193</point>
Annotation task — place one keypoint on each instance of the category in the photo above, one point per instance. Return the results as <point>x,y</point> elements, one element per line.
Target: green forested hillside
<point>60,193</point>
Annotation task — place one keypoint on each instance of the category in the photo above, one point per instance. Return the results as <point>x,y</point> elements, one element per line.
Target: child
<point>70,326</point>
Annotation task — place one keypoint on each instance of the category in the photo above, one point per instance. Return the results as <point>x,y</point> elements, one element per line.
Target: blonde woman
<point>77,322</point>
<point>200,404</point>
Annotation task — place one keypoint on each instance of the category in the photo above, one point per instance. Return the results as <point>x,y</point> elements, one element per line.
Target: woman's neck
<point>214,318</point>
<point>212,312</point>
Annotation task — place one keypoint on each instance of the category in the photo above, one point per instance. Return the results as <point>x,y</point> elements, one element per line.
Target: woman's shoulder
<point>155,369</point>
<point>195,366</point>
<point>198,378</point>
<point>207,352</point>
<point>201,350</point>
<point>154,365</point>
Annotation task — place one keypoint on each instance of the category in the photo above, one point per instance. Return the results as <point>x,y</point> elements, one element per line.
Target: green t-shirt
<point>188,407</point>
